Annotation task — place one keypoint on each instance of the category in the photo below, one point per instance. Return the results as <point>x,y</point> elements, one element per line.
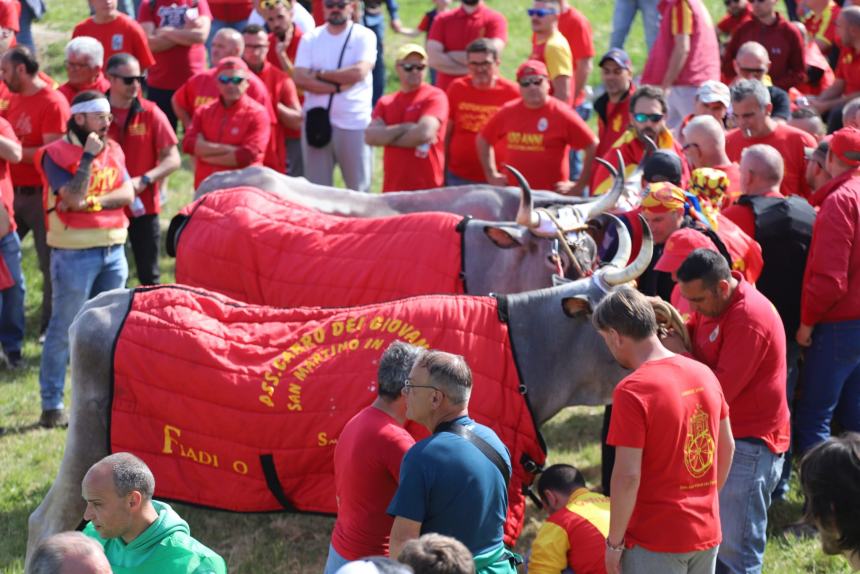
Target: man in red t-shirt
<point>203,89</point>
<point>84,60</point>
<point>452,31</point>
<point>670,426</point>
<point>231,132</point>
<point>409,124</point>
<point>282,92</point>
<point>116,32</point>
<point>847,83</point>
<point>149,143</point>
<point>751,108</point>
<point>367,464</point>
<point>737,332</point>
<point>539,131</point>
<point>472,101</point>
<point>38,114</point>
<point>176,31</point>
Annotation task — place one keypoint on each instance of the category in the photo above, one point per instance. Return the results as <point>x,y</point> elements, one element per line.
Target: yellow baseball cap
<point>406,49</point>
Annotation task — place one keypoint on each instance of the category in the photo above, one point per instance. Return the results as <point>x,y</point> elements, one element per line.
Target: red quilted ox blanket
<point>258,248</point>
<point>238,406</point>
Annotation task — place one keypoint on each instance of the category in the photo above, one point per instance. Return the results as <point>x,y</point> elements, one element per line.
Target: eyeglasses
<point>108,118</point>
<point>235,80</point>
<point>338,5</point>
<point>413,67</point>
<point>77,65</point>
<point>407,388</point>
<point>754,70</point>
<point>532,82</point>
<point>129,80</point>
<point>484,64</point>
<point>688,146</point>
<point>540,12</point>
<point>269,4</point>
<point>642,118</point>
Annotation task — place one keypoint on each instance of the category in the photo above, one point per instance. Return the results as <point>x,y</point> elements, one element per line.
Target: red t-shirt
<point>202,89</point>
<point>101,84</point>
<point>848,70</point>
<point>244,124</point>
<point>231,10</point>
<point>577,30</point>
<point>174,65</point>
<point>671,409</point>
<point>282,90</point>
<point>10,14</point>
<point>142,140</point>
<point>122,34</point>
<point>537,141</point>
<point>405,168</point>
<point>470,110</point>
<point>455,29</point>
<point>7,194</point>
<point>292,48</point>
<point>45,112</point>
<point>367,470</point>
<point>754,388</point>
<point>790,143</point>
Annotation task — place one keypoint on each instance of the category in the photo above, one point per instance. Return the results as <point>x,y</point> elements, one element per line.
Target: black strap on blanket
<point>482,445</point>
<point>267,461</point>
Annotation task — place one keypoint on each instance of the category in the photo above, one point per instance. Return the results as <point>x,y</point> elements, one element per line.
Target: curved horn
<point>608,200</point>
<point>650,145</point>
<point>639,265</point>
<point>526,214</point>
<point>622,169</point>
<point>622,254</point>
<point>609,167</point>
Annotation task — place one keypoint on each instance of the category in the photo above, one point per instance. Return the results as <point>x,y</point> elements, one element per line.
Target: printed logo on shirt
<point>23,125</point>
<point>472,117</point>
<point>4,104</point>
<point>137,129</point>
<point>699,446</point>
<point>714,334</point>
<point>172,15</point>
<point>234,130</point>
<point>103,180</point>
<point>201,101</point>
<point>116,42</point>
<point>525,141</point>
<point>616,124</point>
<point>543,123</point>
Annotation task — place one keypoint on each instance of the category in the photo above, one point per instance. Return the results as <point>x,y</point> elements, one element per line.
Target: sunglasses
<point>540,12</point>
<point>129,80</point>
<point>338,5</point>
<point>642,118</point>
<point>532,82</point>
<point>754,70</point>
<point>412,67</point>
<point>235,80</point>
<point>269,4</point>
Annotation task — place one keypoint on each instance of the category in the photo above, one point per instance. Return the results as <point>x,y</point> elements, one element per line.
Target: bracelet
<point>337,88</point>
<point>615,547</point>
<point>93,203</point>
<point>145,181</point>
<point>88,156</point>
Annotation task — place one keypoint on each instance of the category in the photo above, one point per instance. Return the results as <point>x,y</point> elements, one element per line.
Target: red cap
<point>232,63</point>
<point>679,245</point>
<point>846,145</point>
<point>532,68</point>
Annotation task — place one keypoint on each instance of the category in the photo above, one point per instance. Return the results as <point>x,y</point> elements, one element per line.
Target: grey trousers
<point>346,149</point>
<point>637,560</point>
<point>30,216</point>
<point>296,167</point>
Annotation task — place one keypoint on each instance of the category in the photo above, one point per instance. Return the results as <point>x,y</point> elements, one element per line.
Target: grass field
<point>290,543</point>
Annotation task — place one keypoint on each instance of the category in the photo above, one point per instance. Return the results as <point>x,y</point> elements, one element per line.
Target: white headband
<point>95,106</point>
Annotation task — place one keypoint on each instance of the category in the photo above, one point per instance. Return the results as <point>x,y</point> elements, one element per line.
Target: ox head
<point>562,358</point>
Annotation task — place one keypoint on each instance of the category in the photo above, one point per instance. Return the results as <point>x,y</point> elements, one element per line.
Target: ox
<point>561,359</point>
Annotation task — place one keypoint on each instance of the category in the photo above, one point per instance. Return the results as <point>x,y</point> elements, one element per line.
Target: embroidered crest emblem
<point>116,42</point>
<point>543,123</point>
<point>699,446</point>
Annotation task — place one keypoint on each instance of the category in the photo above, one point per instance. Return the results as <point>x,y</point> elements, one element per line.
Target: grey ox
<point>562,361</point>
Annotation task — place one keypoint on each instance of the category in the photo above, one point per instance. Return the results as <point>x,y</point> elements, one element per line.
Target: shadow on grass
<point>18,430</point>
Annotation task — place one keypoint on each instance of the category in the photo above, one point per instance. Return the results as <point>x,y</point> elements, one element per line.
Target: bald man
<point>705,146</point>
<point>69,553</point>
<point>850,115</point>
<point>752,62</point>
<point>846,86</point>
<point>202,88</point>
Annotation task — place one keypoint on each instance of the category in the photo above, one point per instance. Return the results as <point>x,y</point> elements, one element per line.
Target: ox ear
<point>576,306</point>
<point>505,236</point>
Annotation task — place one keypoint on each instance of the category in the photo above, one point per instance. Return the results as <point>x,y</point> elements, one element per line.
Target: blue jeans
<point>453,180</point>
<point>832,384</point>
<point>77,275</point>
<point>744,501</point>
<point>334,561</point>
<point>12,299</point>
<point>25,22</point>
<point>376,23</point>
<point>792,359</point>
<point>622,19</point>
<point>584,111</point>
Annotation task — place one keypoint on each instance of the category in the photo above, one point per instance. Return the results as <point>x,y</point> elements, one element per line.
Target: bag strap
<point>482,445</point>
<point>340,61</point>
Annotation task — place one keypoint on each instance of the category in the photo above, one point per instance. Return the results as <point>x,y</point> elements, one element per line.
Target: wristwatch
<point>615,547</point>
<point>145,181</point>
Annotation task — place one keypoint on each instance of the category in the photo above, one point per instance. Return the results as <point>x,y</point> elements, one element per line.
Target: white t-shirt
<point>319,50</point>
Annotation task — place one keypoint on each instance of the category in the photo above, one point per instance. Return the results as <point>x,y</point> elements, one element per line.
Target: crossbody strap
<point>482,445</point>
<point>340,61</point>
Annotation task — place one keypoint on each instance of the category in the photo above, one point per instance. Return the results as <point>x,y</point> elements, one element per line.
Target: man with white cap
<point>86,188</point>
<point>712,99</point>
<point>410,124</point>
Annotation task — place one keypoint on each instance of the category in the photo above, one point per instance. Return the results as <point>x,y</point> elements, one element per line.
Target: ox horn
<point>639,265</point>
<point>625,245</point>
<point>526,215</point>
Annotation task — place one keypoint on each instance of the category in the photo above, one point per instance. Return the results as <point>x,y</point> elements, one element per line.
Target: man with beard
<point>342,84</point>
<point>38,115</point>
<point>648,106</point>
<point>144,133</point>
<point>84,60</point>
<point>86,189</point>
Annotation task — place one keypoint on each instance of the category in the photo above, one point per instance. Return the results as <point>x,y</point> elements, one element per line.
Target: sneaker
<point>14,360</point>
<point>42,338</point>
<point>54,418</point>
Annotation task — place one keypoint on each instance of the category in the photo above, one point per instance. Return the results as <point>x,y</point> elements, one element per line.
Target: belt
<point>28,189</point>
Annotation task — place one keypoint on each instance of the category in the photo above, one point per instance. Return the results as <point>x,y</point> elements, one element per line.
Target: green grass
<point>274,543</point>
